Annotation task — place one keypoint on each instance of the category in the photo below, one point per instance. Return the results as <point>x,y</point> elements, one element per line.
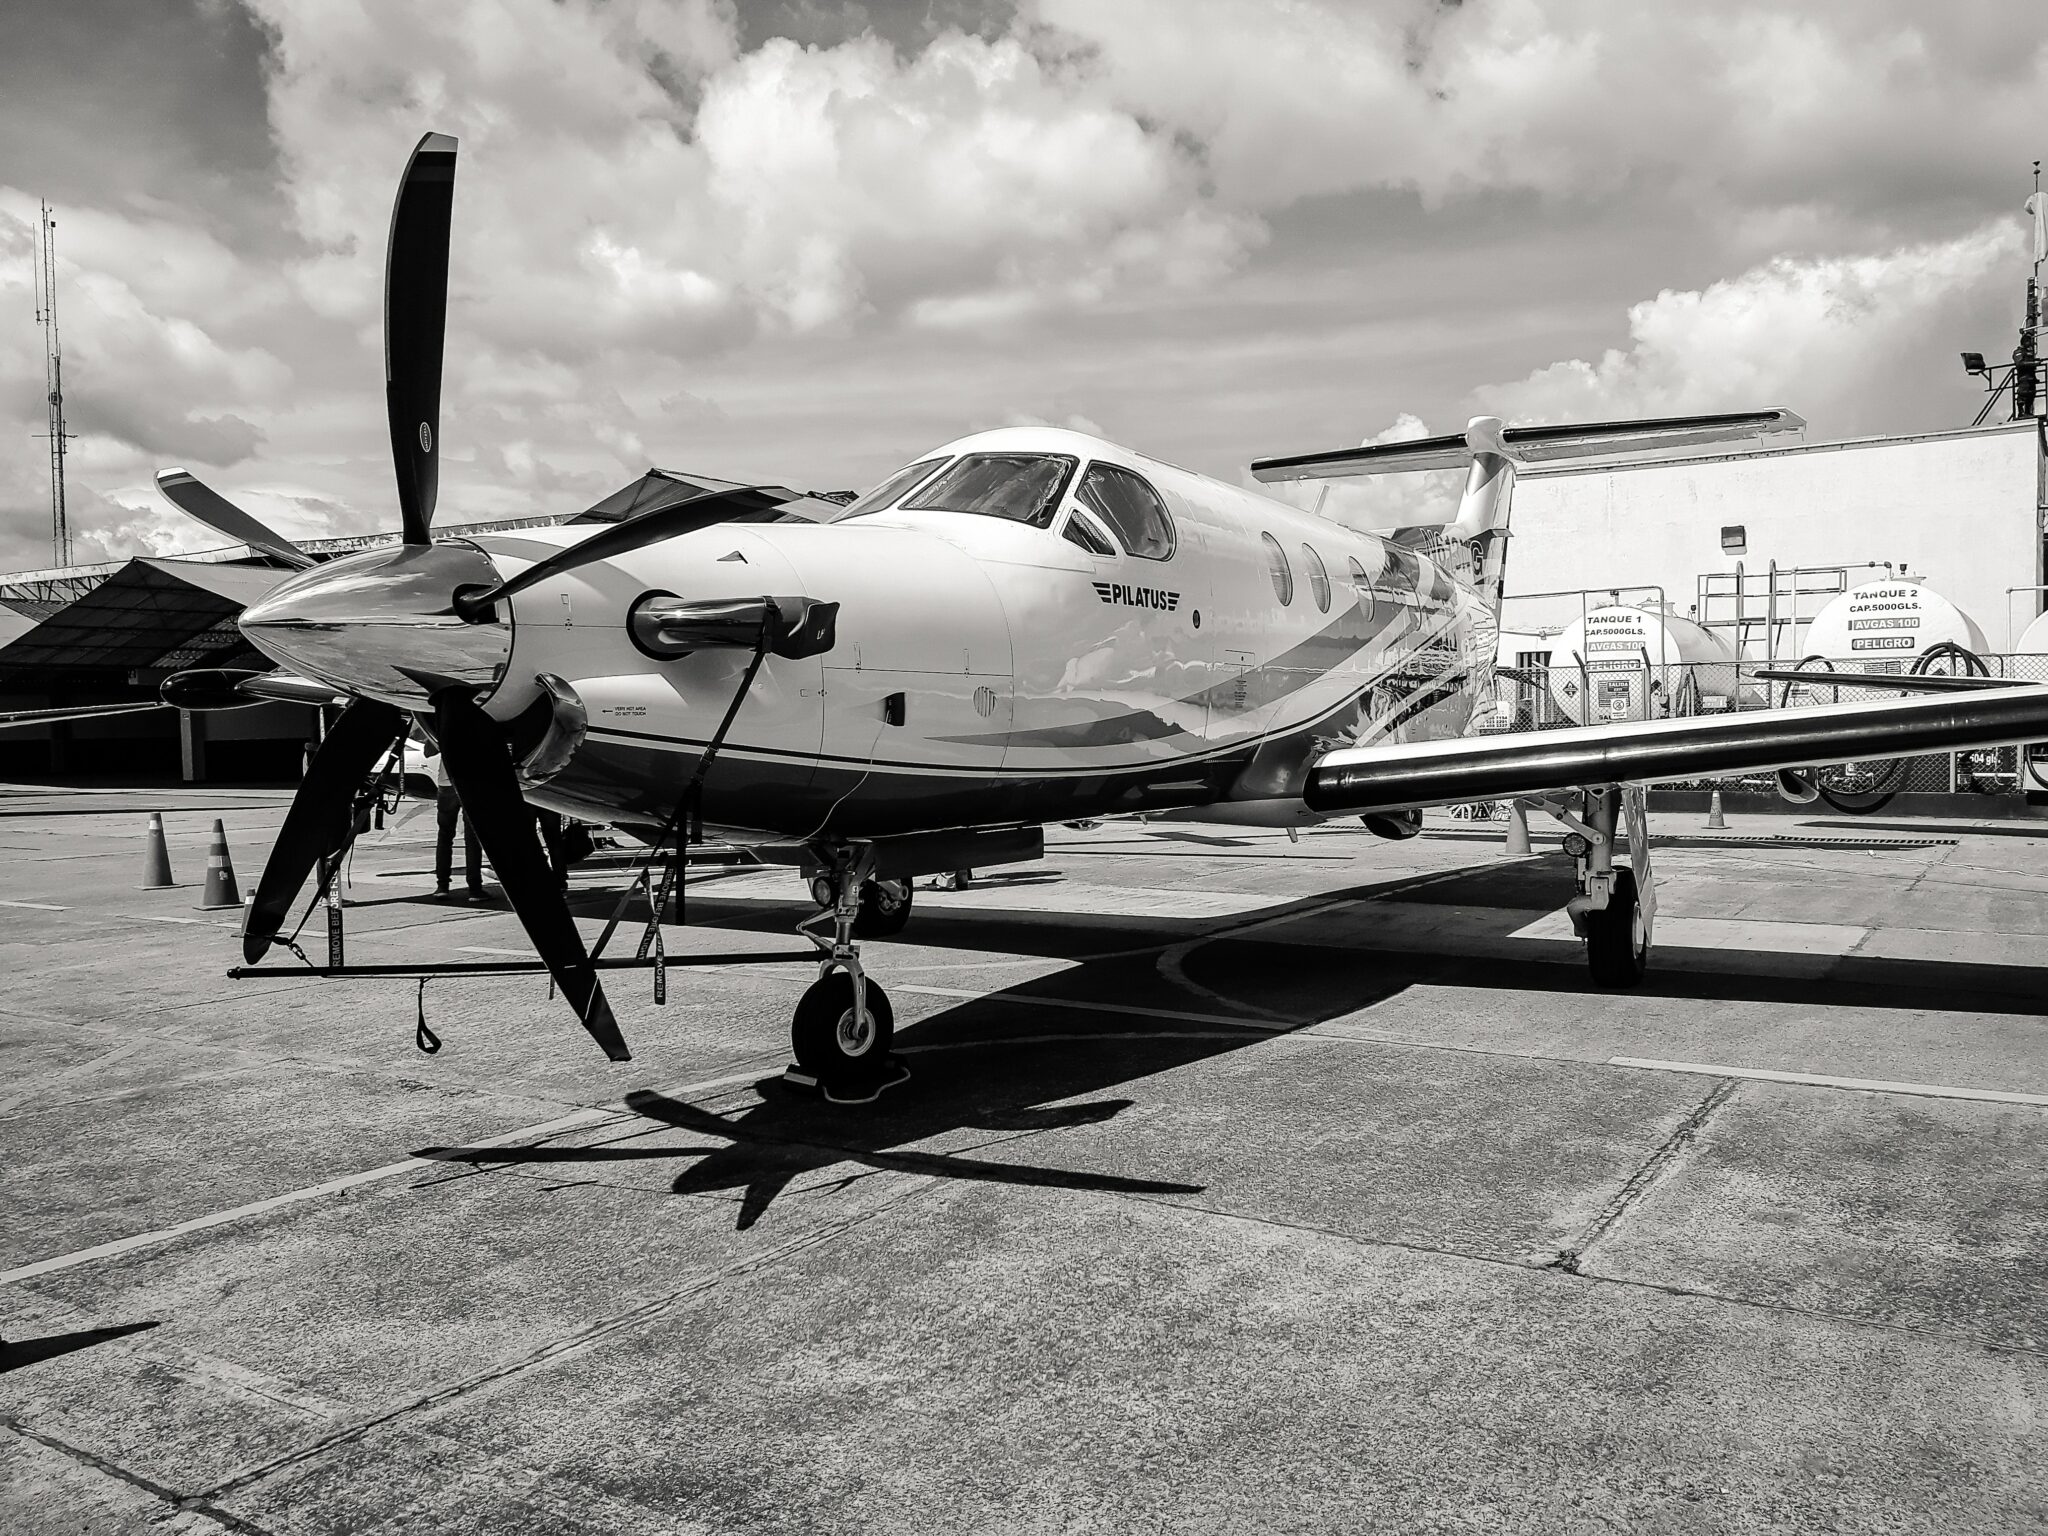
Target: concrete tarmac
<point>1242,1185</point>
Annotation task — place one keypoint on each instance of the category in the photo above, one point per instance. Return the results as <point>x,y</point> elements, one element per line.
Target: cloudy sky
<point>798,241</point>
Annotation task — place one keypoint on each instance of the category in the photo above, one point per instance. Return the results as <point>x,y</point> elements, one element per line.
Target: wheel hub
<point>856,1032</point>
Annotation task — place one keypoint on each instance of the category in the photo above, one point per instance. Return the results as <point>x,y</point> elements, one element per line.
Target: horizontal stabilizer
<point>1528,445</point>
<point>1388,778</point>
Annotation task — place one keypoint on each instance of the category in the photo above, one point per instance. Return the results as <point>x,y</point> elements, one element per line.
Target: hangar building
<point>1752,544</point>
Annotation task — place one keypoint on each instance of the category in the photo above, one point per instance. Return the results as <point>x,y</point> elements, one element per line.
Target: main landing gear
<point>844,1025</point>
<point>1615,909</point>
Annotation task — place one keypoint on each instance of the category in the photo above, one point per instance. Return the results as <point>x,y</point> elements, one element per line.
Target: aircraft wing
<point>1647,752</point>
<point>59,716</point>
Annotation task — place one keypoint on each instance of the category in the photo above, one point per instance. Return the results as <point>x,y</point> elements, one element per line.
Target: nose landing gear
<point>884,904</point>
<point>844,1025</point>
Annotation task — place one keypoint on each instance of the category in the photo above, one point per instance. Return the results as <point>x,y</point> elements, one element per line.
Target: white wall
<point>1958,508</point>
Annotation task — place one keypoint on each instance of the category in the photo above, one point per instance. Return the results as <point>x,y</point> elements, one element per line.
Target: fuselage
<point>1036,678</point>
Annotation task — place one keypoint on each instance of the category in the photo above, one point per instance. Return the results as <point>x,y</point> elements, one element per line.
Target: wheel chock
<point>862,1087</point>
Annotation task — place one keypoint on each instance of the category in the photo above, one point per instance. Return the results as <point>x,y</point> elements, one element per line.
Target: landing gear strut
<point>844,1025</point>
<point>1615,909</point>
<point>884,904</point>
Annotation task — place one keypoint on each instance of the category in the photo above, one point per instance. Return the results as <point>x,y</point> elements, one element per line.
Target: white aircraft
<point>1020,627</point>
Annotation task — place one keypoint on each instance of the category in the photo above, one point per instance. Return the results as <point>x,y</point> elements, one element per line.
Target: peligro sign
<point>1892,620</point>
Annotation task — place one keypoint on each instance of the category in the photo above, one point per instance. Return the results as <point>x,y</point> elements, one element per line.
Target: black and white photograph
<point>1062,767</point>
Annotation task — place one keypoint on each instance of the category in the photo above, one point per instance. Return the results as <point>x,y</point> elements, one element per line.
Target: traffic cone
<point>1715,820</point>
<point>1518,831</point>
<point>220,892</point>
<point>156,857</point>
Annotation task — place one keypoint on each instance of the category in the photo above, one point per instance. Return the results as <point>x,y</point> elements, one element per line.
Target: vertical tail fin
<point>1475,550</point>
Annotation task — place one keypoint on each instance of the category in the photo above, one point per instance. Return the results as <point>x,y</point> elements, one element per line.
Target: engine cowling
<point>1395,826</point>
<point>1801,786</point>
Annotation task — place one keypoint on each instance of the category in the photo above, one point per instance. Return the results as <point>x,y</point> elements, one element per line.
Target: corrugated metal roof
<point>148,614</point>
<point>13,625</point>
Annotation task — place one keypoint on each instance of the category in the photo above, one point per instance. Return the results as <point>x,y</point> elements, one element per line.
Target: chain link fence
<point>1537,694</point>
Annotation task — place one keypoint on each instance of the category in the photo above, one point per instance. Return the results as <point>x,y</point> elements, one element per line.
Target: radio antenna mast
<point>53,378</point>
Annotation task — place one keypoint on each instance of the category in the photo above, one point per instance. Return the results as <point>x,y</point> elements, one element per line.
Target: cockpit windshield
<point>885,494</point>
<point>1023,487</point>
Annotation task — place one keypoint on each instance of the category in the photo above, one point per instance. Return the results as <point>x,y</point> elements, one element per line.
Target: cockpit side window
<point>1023,487</point>
<point>1131,508</point>
<point>1081,529</point>
<point>897,485</point>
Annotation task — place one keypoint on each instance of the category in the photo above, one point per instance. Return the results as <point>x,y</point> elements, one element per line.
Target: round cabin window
<point>1363,584</point>
<point>1318,578</point>
<point>1283,577</point>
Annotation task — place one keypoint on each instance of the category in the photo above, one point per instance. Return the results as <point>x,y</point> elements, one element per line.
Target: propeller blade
<point>317,825</point>
<point>480,763</point>
<point>670,522</point>
<point>415,319</point>
<point>202,503</point>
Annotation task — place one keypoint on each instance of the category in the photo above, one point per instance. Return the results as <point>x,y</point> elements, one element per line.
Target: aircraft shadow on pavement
<point>1267,974</point>
<point>17,1353</point>
<point>787,1136</point>
<point>1005,1066</point>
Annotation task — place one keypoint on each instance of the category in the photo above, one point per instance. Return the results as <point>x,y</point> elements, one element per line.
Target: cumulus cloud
<point>1747,103</point>
<point>631,179</point>
<point>680,239</point>
<point>1842,340</point>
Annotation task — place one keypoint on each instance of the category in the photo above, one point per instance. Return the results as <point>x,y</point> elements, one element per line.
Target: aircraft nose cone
<point>383,623</point>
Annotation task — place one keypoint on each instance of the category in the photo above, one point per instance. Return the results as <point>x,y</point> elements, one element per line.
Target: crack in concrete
<point>1661,1161</point>
<point>570,1343</point>
<point>192,1504</point>
<point>1550,1265</point>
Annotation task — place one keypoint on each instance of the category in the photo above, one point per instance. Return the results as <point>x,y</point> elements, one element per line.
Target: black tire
<point>1947,659</point>
<point>1886,781</point>
<point>577,844</point>
<point>884,909</point>
<point>1617,944</point>
<point>823,1035</point>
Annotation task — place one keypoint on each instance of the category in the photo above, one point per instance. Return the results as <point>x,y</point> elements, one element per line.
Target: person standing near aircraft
<point>447,811</point>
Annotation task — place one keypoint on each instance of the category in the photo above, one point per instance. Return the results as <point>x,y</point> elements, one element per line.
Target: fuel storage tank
<point>1622,662</point>
<point>1890,621</point>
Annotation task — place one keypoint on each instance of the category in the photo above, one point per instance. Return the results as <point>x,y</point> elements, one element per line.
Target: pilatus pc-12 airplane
<point>1021,627</point>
